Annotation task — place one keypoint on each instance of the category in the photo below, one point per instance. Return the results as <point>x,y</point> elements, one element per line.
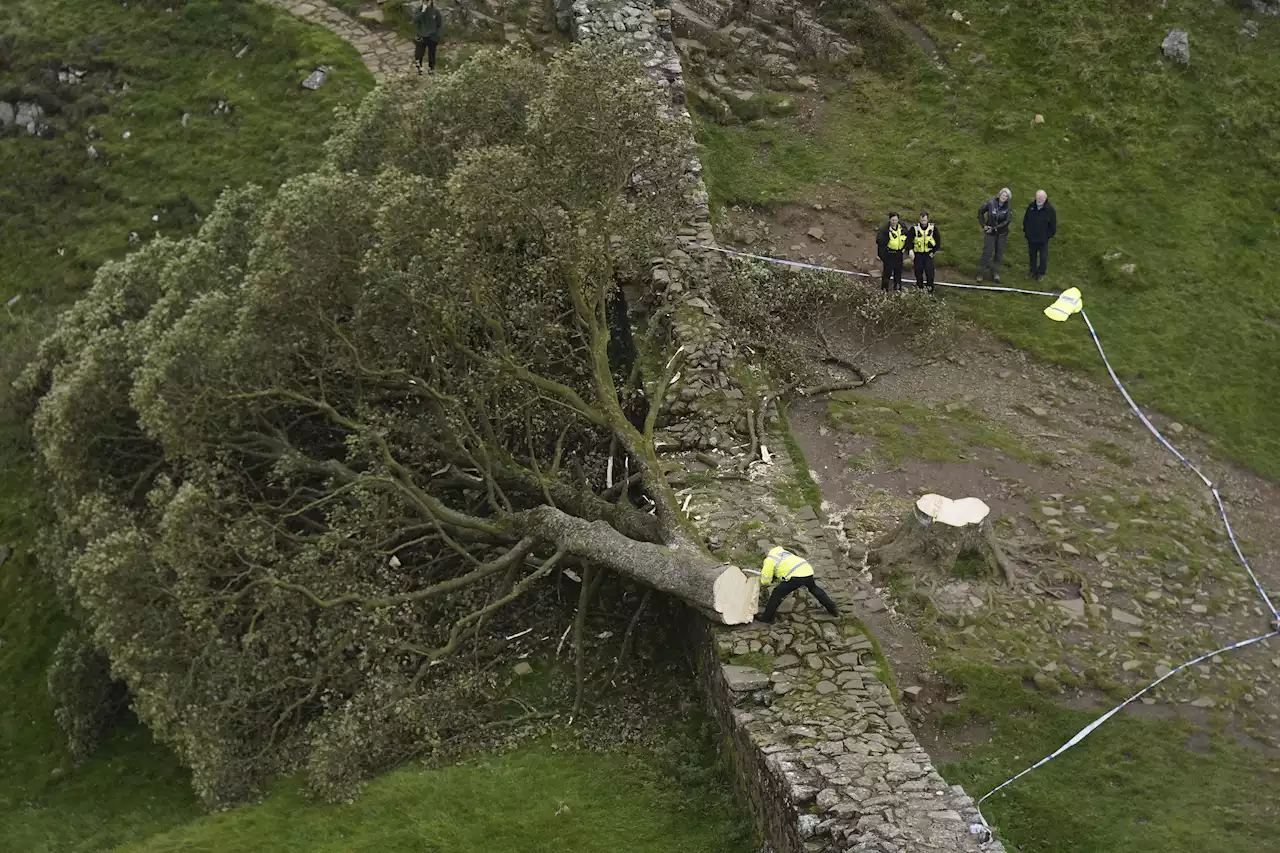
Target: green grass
<point>1133,786</point>
<point>903,430</point>
<point>63,213</point>
<point>1175,168</point>
<point>803,491</point>
<point>536,800</point>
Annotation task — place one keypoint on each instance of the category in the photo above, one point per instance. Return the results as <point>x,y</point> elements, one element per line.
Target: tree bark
<point>722,591</point>
<point>922,542</point>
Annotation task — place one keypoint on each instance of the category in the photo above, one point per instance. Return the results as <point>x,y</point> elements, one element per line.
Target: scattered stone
<point>1130,665</point>
<point>825,687</point>
<point>1249,29</point>
<point>784,661</point>
<point>957,16</point>
<point>1073,606</point>
<point>1046,683</point>
<point>1163,669</point>
<point>523,668</point>
<point>1038,411</point>
<point>912,694</point>
<point>1125,618</point>
<point>1039,119</point>
<point>1199,609</point>
<point>1050,511</point>
<point>1203,702</point>
<point>817,233</point>
<point>373,16</point>
<point>92,152</point>
<point>1068,548</point>
<point>1177,47</point>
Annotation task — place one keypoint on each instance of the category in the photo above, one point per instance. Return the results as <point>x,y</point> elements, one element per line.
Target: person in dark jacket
<point>891,244</point>
<point>1039,224</point>
<point>994,217</point>
<point>429,23</point>
<point>925,240</point>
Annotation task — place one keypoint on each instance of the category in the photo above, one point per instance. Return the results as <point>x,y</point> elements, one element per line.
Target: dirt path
<point>1126,571</point>
<point>385,53</point>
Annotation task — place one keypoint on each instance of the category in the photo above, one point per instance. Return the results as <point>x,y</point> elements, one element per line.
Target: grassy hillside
<point>537,800</point>
<point>63,212</point>
<point>1136,785</point>
<point>1176,168</point>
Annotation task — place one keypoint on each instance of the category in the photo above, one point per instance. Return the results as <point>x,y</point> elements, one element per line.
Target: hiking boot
<point>978,279</point>
<point>995,278</point>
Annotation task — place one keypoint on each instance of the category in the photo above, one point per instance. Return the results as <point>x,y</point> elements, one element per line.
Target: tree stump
<point>938,532</point>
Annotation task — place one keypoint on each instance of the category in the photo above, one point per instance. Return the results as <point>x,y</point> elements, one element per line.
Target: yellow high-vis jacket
<point>785,566</point>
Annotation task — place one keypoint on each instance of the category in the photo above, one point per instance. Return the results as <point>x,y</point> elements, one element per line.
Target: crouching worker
<point>793,572</point>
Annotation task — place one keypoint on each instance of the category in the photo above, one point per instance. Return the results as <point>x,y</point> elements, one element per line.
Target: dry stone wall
<point>707,405</point>
<point>820,749</point>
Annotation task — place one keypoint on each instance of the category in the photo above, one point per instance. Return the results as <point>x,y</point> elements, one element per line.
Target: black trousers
<point>1040,250</point>
<point>892,268</point>
<point>924,270</point>
<point>787,587</point>
<point>427,46</point>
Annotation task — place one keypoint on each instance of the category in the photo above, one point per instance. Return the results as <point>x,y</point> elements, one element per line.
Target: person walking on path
<point>1039,224</point>
<point>994,217</point>
<point>891,243</point>
<point>793,572</point>
<point>429,23</point>
<point>925,241</point>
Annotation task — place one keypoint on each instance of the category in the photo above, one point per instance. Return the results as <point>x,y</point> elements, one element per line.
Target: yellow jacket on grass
<point>784,565</point>
<point>1069,302</point>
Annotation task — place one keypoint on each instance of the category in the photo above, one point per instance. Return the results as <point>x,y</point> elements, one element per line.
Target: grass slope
<point>536,800</point>
<point>1178,169</point>
<point>1128,790</point>
<point>63,213</point>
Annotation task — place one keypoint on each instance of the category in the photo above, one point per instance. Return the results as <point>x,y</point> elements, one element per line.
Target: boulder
<point>1177,47</point>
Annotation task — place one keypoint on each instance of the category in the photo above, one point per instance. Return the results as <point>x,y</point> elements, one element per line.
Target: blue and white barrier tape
<point>984,828</point>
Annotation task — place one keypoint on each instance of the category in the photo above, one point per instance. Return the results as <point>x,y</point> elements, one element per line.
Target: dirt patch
<point>1115,524</point>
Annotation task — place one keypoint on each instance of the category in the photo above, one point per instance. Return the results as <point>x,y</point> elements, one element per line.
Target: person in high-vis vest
<point>792,572</point>
<point>925,241</point>
<point>891,245</point>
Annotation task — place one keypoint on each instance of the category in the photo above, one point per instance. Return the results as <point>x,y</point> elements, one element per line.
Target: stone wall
<point>821,751</point>
<point>706,404</point>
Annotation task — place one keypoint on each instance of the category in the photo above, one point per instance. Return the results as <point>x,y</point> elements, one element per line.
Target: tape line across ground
<point>985,828</point>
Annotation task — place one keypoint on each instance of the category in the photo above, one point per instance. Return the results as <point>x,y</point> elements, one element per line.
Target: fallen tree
<point>302,458</point>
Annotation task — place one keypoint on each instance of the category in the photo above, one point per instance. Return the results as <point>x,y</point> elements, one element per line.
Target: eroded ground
<point>1125,570</point>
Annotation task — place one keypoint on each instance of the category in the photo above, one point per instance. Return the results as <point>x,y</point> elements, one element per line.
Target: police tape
<point>984,828</point>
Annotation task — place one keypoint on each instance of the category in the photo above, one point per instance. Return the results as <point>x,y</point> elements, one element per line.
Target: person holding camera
<point>994,217</point>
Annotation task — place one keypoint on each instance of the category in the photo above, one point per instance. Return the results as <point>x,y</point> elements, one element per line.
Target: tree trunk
<point>722,591</point>
<point>937,532</point>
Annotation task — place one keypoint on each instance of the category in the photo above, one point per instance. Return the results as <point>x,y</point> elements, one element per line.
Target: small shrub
<point>88,702</point>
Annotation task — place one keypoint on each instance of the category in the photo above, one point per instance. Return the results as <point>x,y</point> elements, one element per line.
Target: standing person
<point>994,217</point>
<point>925,240</point>
<point>1039,224</point>
<point>429,23</point>
<point>891,242</point>
<point>793,572</point>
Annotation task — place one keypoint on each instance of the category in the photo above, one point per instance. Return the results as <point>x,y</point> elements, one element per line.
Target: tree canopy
<point>298,460</point>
